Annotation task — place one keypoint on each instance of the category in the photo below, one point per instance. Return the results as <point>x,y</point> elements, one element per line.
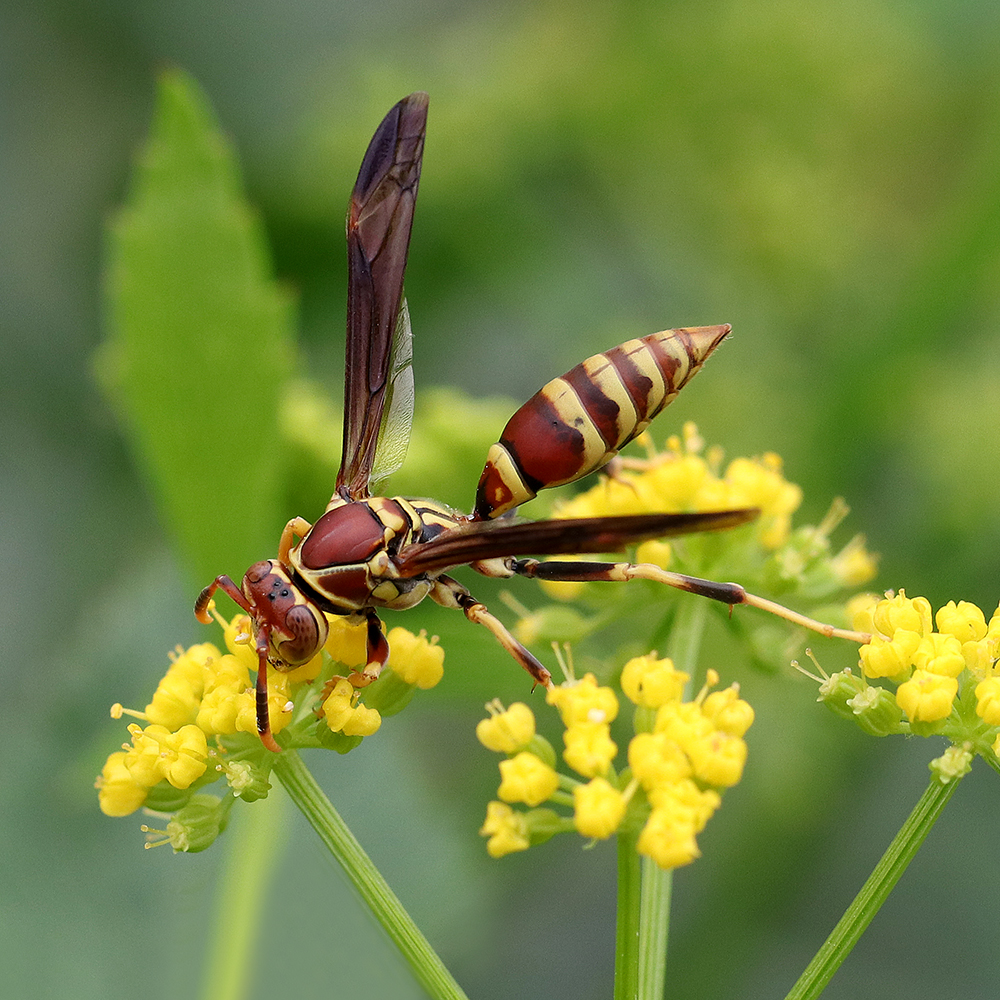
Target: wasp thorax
<point>347,535</point>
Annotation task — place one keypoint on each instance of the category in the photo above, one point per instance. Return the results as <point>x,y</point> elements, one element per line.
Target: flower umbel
<point>675,775</point>
<point>200,725</point>
<point>915,680</point>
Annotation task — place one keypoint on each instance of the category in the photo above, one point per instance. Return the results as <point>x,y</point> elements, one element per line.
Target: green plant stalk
<point>627,926</point>
<point>644,890</point>
<point>253,841</point>
<point>654,926</point>
<point>874,892</point>
<point>427,967</point>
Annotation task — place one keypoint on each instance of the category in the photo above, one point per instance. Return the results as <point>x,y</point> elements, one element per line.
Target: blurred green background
<point>825,178</point>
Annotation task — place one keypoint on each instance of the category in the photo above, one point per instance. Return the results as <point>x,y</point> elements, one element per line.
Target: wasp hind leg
<point>450,593</point>
<point>727,593</point>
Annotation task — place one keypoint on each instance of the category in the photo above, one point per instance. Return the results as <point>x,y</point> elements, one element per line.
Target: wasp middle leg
<point>450,593</point>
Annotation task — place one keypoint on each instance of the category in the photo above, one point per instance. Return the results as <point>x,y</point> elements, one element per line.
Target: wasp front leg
<point>727,593</point>
<point>450,593</point>
<point>225,584</point>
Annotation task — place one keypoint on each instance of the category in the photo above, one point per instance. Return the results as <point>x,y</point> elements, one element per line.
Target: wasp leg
<point>728,593</point>
<point>450,593</point>
<point>296,526</point>
<point>378,653</point>
<point>226,585</point>
<point>263,716</point>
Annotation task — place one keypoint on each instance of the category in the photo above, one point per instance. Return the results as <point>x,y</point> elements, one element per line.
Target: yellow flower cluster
<point>682,479</point>
<point>943,666</point>
<point>209,695</point>
<point>680,757</point>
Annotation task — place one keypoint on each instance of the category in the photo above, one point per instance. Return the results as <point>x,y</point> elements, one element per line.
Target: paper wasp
<point>369,552</point>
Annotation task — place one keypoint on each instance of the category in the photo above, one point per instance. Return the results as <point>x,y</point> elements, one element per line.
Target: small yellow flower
<point>180,758</point>
<point>583,701</point>
<point>344,716</point>
<point>526,779</point>
<point>927,697</point>
<point>220,704</point>
<point>939,654</point>
<point>657,760</point>
<point>589,748</point>
<point>668,839</point>
<point>118,792</point>
<point>988,701</point>
<point>889,657</point>
<point>993,629</point>
<point>598,808</point>
<point>650,682</point>
<point>899,612</point>
<point>682,722</point>
<point>506,828</point>
<point>175,701</point>
<point>416,659</point>
<point>347,642</point>
<point>760,483</point>
<point>964,621</point>
<point>507,731</point>
<point>979,655</point>
<point>364,721</point>
<point>727,711</point>
<point>718,759</point>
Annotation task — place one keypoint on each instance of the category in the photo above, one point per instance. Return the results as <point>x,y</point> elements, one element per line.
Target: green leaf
<point>199,339</point>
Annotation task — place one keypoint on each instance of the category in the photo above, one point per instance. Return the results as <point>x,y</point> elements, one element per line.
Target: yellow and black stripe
<point>577,423</point>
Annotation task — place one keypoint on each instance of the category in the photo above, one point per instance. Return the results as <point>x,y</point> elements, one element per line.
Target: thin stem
<point>627,928</point>
<point>654,926</point>
<point>253,843</point>
<point>684,641</point>
<point>644,889</point>
<point>427,967</point>
<point>873,893</point>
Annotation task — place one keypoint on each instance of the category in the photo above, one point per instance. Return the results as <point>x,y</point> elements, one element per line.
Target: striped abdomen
<point>577,423</point>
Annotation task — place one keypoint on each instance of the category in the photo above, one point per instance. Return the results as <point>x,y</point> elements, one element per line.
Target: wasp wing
<point>397,418</point>
<point>489,539</point>
<point>378,239</point>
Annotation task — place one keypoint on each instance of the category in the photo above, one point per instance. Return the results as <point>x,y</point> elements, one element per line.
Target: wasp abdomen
<point>577,423</point>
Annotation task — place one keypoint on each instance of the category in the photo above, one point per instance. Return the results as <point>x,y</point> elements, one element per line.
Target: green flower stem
<point>643,888</point>
<point>873,893</point>
<point>365,877</point>
<point>627,929</point>
<point>643,923</point>
<point>684,640</point>
<point>253,841</point>
<point>654,925</point>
